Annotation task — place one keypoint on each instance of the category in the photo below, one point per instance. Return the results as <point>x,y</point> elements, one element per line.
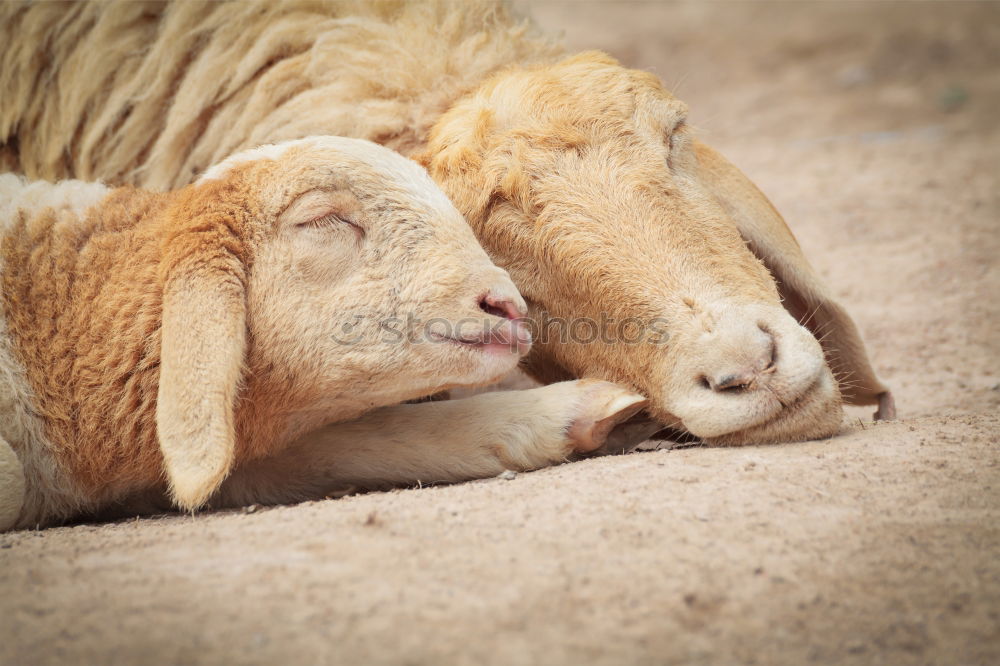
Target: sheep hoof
<point>886,407</point>
<point>603,406</point>
<point>628,435</point>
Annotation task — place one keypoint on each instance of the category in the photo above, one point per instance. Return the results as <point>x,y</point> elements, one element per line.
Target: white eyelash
<point>330,220</point>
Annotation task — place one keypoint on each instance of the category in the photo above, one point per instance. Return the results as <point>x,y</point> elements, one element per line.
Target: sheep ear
<point>802,291</point>
<point>454,160</point>
<point>203,341</point>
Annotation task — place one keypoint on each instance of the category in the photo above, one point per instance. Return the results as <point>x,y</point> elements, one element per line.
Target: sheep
<point>579,176</point>
<point>157,349</point>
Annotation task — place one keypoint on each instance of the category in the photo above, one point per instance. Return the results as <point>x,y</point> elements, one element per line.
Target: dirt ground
<point>874,129</point>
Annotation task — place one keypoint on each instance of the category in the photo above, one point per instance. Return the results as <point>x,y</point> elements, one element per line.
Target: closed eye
<point>331,223</point>
<point>328,221</point>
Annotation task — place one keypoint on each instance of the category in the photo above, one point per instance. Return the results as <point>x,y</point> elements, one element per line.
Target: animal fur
<point>579,176</point>
<point>153,343</point>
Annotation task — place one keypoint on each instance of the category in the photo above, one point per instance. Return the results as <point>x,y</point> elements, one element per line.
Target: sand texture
<point>874,129</point>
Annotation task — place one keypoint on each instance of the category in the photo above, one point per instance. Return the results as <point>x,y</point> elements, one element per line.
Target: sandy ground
<point>873,127</point>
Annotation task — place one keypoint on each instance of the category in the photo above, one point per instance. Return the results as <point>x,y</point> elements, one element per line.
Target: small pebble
<point>507,475</point>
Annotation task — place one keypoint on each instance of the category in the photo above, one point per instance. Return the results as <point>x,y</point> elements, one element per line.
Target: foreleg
<point>437,442</point>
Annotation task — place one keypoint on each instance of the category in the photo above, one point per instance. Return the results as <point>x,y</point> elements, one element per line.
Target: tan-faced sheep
<point>579,176</point>
<point>162,345</point>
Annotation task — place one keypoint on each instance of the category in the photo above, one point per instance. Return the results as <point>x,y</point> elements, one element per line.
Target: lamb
<point>579,176</point>
<point>162,349</point>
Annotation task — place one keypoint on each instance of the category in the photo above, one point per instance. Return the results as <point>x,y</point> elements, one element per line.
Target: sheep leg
<point>11,486</point>
<point>437,442</point>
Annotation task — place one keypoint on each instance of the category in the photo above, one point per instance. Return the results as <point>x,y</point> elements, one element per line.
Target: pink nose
<point>501,306</point>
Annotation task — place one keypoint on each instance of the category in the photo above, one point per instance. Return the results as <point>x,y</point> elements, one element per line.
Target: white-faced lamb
<point>579,176</point>
<point>178,347</point>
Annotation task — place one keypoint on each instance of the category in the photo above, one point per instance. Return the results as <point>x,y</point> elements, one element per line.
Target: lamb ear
<point>203,341</point>
<point>803,292</point>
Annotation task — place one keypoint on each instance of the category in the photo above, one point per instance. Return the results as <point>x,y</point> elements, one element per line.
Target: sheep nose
<point>502,305</point>
<point>744,366</point>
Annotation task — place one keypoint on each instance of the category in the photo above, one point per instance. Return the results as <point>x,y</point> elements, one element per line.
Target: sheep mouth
<point>506,339</point>
<point>789,407</point>
<point>811,406</point>
<point>782,408</point>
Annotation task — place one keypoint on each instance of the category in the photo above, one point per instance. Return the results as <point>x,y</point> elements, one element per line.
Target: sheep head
<point>308,282</point>
<point>645,258</point>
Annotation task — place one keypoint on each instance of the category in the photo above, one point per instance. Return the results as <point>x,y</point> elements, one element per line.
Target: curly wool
<point>161,99</point>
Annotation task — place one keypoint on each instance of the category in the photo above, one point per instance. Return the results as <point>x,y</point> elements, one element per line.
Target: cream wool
<point>159,348</point>
<point>580,177</point>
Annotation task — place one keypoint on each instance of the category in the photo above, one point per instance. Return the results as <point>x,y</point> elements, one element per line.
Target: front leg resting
<point>435,442</point>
